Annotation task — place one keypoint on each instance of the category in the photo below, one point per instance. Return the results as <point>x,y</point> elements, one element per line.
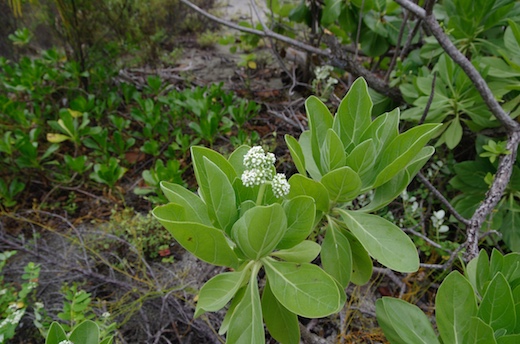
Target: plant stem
<point>261,193</point>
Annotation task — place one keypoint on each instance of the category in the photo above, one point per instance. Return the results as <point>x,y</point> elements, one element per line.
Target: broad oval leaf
<point>259,230</point>
<point>301,214</point>
<point>305,252</point>
<point>362,157</point>
<point>246,325</point>
<point>403,322</point>
<point>497,308</point>
<point>455,305</point>
<point>85,333</point>
<point>56,334</point>
<point>383,240</point>
<point>304,288</point>
<point>218,291</point>
<point>343,184</point>
<point>301,185</point>
<point>195,208</point>
<point>336,255</point>
<point>281,323</point>
<point>206,243</point>
<point>453,134</point>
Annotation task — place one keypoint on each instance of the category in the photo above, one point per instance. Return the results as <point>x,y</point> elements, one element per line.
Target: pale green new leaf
<point>453,133</point>
<point>304,288</point>
<point>281,323</point>
<point>195,209</point>
<point>403,322</point>
<point>383,240</point>
<point>320,121</point>
<point>219,196</point>
<point>336,255</point>
<point>206,243</point>
<point>301,185</point>
<point>198,154</point>
<point>479,333</point>
<point>362,157</point>
<point>383,129</point>
<point>246,325</point>
<point>310,165</point>
<point>497,308</point>
<point>236,159</point>
<point>218,291</point>
<point>455,304</point>
<point>301,214</point>
<point>343,184</point>
<point>401,151</point>
<point>354,114</point>
<point>259,230</point>
<point>305,252</point>
<point>296,153</point>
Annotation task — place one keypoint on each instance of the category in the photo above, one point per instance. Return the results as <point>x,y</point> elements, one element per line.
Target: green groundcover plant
<point>481,306</point>
<point>247,217</point>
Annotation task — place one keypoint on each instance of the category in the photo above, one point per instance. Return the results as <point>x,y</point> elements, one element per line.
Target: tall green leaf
<point>199,153</point>
<point>219,196</point>
<point>455,305</point>
<point>403,322</point>
<point>259,230</point>
<point>246,325</point>
<point>354,114</point>
<point>320,121</point>
<point>383,129</point>
<point>361,261</point>
<point>479,332</point>
<point>301,185</point>
<point>383,240</point>
<point>296,153</point>
<point>207,243</point>
<point>56,334</point>
<point>236,159</point>
<point>301,213</point>
<point>336,255</point>
<point>332,153</point>
<point>362,157</point>
<point>311,166</point>
<point>281,323</point>
<point>304,288</point>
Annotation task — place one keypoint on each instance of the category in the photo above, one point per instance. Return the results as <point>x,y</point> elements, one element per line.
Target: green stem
<point>261,193</point>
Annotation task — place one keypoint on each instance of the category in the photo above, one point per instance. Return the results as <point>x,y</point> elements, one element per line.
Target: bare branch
<point>430,100</point>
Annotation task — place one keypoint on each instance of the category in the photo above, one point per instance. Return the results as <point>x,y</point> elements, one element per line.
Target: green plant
<point>21,37</point>
<point>9,191</point>
<point>14,297</point>
<point>481,306</point>
<point>171,172</point>
<point>86,332</point>
<point>108,173</point>
<point>240,222</point>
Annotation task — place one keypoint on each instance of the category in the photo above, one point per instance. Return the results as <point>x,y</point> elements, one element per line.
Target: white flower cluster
<point>259,170</point>
<point>66,342</point>
<point>13,318</point>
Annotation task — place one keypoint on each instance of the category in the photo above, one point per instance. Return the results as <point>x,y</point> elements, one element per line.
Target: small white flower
<point>257,158</point>
<point>439,214</point>
<point>444,229</point>
<point>66,342</point>
<point>280,185</point>
<point>105,315</point>
<point>253,177</point>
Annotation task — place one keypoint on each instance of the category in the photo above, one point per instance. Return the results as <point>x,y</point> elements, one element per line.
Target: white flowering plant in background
<point>248,217</point>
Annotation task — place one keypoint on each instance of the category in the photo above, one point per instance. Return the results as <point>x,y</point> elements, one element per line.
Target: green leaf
<point>387,192</point>
<point>361,261</point>
<point>336,255</point>
<point>199,153</point>
<point>304,288</point>
<point>453,134</point>
<point>479,332</point>
<point>497,307</point>
<point>401,151</point>
<point>455,304</point>
<point>403,322</point>
<point>296,153</point>
<point>85,333</point>
<point>354,114</point>
<point>301,213</point>
<point>219,290</point>
<point>259,230</point>
<point>331,11</point>
<point>194,207</point>
<point>281,323</point>
<point>383,240</point>
<point>343,184</point>
<point>332,153</point>
<point>219,196</point>
<point>56,334</point>
<point>207,243</point>
<point>236,159</point>
<point>509,339</point>
<point>310,165</point>
<point>305,252</point>
<point>246,325</point>
<point>320,121</point>
<point>301,185</point>
<point>483,275</point>
<point>362,157</point>
<point>383,129</point>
